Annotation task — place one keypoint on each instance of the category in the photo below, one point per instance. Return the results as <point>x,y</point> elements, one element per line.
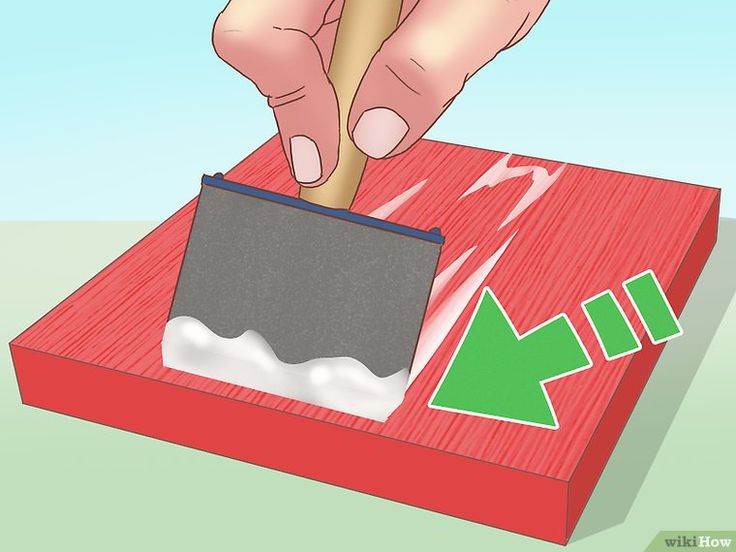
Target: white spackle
<point>340,383</point>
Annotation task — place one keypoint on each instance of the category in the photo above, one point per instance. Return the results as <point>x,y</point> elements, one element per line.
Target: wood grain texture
<point>586,230</point>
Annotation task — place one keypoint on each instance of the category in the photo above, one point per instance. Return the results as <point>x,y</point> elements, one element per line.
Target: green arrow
<point>497,373</point>
<point>651,305</point>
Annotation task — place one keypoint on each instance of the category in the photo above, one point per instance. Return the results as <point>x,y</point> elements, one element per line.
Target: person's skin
<point>284,47</point>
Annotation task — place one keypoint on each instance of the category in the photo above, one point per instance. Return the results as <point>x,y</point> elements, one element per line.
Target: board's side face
<point>388,468</point>
<point>594,457</point>
<point>542,235</point>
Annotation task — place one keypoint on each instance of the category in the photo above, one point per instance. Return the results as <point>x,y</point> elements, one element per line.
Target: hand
<point>284,47</point>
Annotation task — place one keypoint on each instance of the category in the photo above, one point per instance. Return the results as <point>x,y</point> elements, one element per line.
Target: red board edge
<point>448,483</point>
<point>612,423</point>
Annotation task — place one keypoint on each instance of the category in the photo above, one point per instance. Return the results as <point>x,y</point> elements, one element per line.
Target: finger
<point>271,44</point>
<point>420,69</point>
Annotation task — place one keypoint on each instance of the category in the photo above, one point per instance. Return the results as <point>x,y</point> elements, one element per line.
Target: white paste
<point>340,383</point>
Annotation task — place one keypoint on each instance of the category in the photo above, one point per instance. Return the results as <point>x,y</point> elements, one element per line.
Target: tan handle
<point>364,25</point>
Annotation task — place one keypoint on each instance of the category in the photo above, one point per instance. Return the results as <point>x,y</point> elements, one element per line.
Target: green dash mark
<point>498,374</point>
<point>611,327</point>
<point>652,307</point>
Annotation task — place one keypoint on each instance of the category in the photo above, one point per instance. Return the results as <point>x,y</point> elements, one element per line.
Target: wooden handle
<point>364,25</point>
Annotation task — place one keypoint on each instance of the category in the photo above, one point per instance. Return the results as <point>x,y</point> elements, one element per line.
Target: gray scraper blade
<point>315,282</point>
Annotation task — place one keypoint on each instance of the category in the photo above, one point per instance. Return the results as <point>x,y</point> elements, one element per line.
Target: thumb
<point>420,69</point>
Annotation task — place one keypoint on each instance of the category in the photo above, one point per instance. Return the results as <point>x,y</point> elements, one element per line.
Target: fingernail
<point>305,159</point>
<point>379,131</point>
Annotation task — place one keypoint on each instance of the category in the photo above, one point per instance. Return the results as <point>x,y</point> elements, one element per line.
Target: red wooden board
<point>97,354</point>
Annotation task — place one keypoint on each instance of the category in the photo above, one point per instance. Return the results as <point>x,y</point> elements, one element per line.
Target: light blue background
<point>113,110</point>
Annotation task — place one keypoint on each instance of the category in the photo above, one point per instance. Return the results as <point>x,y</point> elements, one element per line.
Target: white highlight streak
<point>441,280</point>
<point>540,184</point>
<point>340,383</point>
<point>439,325</point>
<point>388,208</point>
<point>498,172</point>
<point>542,180</point>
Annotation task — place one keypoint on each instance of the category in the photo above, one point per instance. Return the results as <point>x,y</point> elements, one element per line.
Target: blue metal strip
<point>218,181</point>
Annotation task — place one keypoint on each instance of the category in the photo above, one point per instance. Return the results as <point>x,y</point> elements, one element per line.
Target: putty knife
<point>312,278</point>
